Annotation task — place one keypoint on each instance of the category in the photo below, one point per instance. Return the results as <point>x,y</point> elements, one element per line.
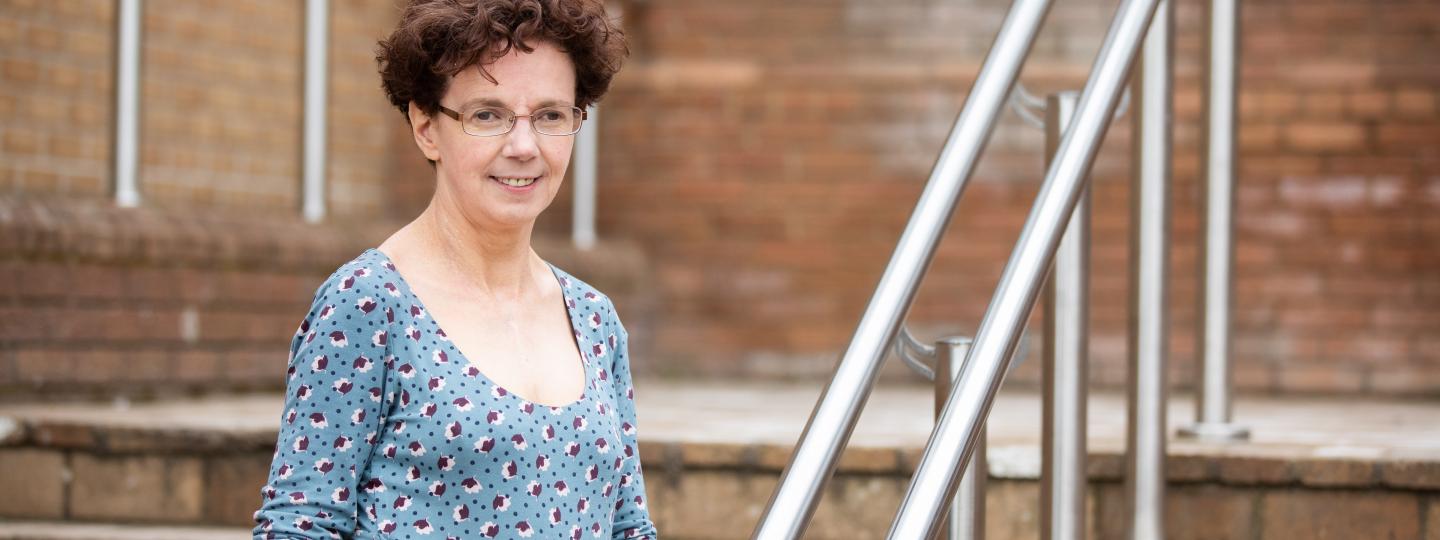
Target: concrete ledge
<point>56,530</point>
<point>35,228</point>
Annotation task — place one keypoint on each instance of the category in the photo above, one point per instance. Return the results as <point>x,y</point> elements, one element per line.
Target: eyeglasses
<point>486,121</point>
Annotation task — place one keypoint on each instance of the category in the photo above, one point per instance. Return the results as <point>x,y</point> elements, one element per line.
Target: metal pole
<point>966,520</point>
<point>127,104</point>
<point>1217,253</point>
<point>954,439</point>
<point>316,27</point>
<point>1067,302</point>
<point>1149,268</point>
<point>582,228</point>
<point>833,420</point>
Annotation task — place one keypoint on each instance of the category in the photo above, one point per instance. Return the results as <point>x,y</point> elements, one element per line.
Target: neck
<point>499,260</point>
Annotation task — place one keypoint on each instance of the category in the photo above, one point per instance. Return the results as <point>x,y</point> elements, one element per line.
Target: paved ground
<point>896,417</point>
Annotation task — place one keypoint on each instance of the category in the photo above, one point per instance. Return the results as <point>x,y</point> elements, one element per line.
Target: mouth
<point>516,182</point>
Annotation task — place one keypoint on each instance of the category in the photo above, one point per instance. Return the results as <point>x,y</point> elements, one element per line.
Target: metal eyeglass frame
<point>515,118</point>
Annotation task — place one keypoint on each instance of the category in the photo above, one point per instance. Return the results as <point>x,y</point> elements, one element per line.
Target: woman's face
<point>468,169</point>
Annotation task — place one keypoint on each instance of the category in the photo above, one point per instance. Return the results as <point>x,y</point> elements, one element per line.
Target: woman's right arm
<point>335,399</point>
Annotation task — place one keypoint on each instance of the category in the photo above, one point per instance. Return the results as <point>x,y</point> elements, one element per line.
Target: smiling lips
<point>515,182</point>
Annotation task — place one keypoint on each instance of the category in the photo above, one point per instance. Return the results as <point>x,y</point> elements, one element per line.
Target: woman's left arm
<point>632,511</point>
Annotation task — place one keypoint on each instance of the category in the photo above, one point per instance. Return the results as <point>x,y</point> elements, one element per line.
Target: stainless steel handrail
<point>586,158</point>
<point>314,177</point>
<point>833,420</point>
<point>947,453</point>
<point>1064,376</point>
<point>129,20</point>
<point>1146,431</point>
<point>1212,420</point>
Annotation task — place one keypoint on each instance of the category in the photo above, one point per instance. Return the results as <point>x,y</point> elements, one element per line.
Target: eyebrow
<point>492,102</point>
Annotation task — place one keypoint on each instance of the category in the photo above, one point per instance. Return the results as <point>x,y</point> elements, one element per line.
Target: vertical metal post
<point>1217,251</point>
<point>1062,478</point>
<point>1149,268</point>
<point>966,519</point>
<point>127,104</point>
<point>317,25</point>
<point>582,227</point>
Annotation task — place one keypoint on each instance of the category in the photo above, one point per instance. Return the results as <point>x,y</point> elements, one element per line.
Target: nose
<point>521,142</point>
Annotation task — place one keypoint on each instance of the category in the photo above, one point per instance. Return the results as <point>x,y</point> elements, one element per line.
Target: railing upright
<point>1149,267</point>
<point>935,480</point>
<point>317,31</point>
<point>833,420</point>
<point>582,222</point>
<point>1067,314</point>
<point>128,24</point>
<point>1217,253</point>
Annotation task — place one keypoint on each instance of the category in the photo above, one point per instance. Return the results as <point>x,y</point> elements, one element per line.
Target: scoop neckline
<point>566,300</point>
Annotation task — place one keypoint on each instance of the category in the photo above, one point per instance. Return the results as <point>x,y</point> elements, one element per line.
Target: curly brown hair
<point>437,39</point>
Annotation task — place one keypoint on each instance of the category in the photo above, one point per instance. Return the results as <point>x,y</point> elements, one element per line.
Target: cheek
<point>466,159</point>
<point>558,153</point>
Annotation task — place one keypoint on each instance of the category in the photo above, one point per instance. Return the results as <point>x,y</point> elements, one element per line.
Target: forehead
<point>545,76</point>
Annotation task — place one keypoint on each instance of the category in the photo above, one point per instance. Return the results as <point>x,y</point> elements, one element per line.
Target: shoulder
<point>366,282</point>
<point>587,301</point>
<point>582,293</point>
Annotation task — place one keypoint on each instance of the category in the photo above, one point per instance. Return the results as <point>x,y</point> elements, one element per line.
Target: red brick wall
<point>221,104</point>
<point>768,154</point>
<point>765,157</point>
<point>199,288</point>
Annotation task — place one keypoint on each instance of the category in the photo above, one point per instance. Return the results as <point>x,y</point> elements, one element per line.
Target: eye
<point>552,115</point>
<point>486,115</point>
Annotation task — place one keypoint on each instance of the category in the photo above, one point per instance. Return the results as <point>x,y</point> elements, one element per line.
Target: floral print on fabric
<point>389,432</point>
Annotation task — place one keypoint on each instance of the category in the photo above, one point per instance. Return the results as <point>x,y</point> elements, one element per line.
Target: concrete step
<point>56,530</point>
<point>1315,467</point>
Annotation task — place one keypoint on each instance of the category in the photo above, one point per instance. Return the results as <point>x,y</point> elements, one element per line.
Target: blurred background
<point>757,161</point>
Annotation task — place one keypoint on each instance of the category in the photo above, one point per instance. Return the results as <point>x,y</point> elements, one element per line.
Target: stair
<point>54,530</point>
<point>1337,468</point>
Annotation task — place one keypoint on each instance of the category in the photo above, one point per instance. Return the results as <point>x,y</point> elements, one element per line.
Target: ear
<point>423,127</point>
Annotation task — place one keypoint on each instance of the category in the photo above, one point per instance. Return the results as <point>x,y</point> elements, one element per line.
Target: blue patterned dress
<point>389,432</point>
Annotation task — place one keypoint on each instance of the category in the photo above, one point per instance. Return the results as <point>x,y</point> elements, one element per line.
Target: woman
<point>451,384</point>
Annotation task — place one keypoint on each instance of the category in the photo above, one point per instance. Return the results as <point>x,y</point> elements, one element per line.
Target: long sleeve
<point>335,400</point>
<point>632,513</point>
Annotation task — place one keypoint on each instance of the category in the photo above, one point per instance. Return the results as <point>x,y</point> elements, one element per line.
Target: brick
<point>1327,73</point>
<point>197,366</point>
<point>42,474</point>
<point>1395,136</point>
<point>1208,512</point>
<point>1407,473</point>
<point>1243,470</point>
<point>1336,472</point>
<point>42,366</point>
<point>1368,103</point>
<point>1432,520</point>
<point>860,506</point>
<point>1256,136</point>
<point>712,455</point>
<point>1331,136</point>
<point>1339,514</point>
<point>1010,509</point>
<point>1416,103</point>
<point>63,435</point>
<point>698,502</point>
<point>160,489</point>
<point>232,488</point>
<point>1324,105</point>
